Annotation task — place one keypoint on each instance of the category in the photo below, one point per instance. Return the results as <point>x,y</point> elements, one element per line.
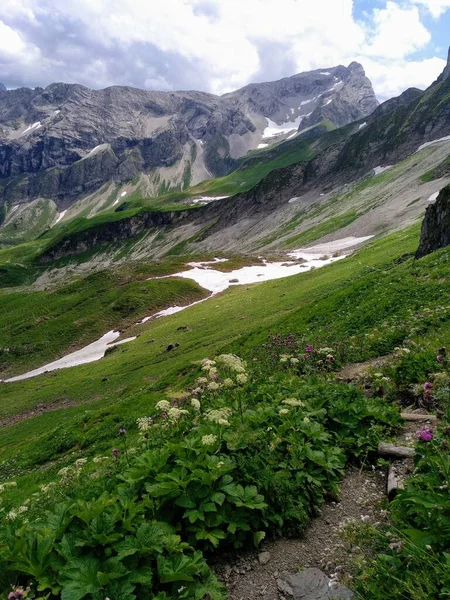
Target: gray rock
<point>312,584</point>
<point>264,558</point>
<point>435,231</point>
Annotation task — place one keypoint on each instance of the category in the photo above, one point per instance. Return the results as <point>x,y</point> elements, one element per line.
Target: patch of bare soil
<point>356,370</point>
<point>248,576</point>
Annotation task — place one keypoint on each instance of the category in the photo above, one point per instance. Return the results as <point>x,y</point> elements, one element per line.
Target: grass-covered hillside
<point>121,478</point>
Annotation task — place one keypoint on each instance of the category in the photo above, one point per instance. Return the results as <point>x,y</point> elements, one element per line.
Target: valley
<point>176,326</point>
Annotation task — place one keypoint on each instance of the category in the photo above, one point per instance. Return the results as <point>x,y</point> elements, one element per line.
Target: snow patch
<point>362,125</point>
<point>60,216</point>
<point>294,199</point>
<point>380,169</point>
<point>326,73</point>
<point>33,127</point>
<point>328,101</point>
<point>329,247</point>
<point>96,150</point>
<point>262,146</point>
<point>90,353</point>
<point>443,139</point>
<point>123,194</point>
<point>273,129</point>
<point>433,197</point>
<point>335,85</point>
<point>207,199</point>
<point>56,112</point>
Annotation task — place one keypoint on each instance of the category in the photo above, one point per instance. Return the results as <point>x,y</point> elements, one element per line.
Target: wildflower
<point>206,362</point>
<point>309,348</point>
<point>144,423</point>
<point>232,362</point>
<point>202,381</point>
<point>440,358</point>
<point>294,361</point>
<point>283,359</point>
<point>212,372</point>
<point>293,402</point>
<point>283,411</point>
<point>223,422</point>
<point>428,547</point>
<point>228,383</point>
<point>425,435</point>
<point>163,405</point>
<point>196,391</point>
<point>443,351</point>
<point>213,386</point>
<point>306,420</point>
<point>12,515</point>
<point>99,459</point>
<point>209,440</point>
<point>219,414</point>
<point>122,431</point>
<point>174,414</point>
<point>195,404</point>
<point>80,462</point>
<point>115,452</point>
<point>241,378</point>
<point>22,509</point>
<point>64,472</point>
<point>427,385</point>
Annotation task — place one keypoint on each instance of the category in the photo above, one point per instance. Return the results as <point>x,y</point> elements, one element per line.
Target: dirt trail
<point>363,494</point>
<point>360,498</point>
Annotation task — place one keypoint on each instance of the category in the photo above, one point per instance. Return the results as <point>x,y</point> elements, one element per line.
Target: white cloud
<point>396,32</point>
<point>402,75</point>
<point>435,7</point>
<point>217,45</point>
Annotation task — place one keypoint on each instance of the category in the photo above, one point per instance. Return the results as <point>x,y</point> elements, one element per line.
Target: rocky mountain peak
<point>446,73</point>
<point>357,68</point>
<point>2,87</point>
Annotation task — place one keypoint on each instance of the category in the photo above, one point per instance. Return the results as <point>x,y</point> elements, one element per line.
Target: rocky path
<point>264,575</point>
<point>274,571</point>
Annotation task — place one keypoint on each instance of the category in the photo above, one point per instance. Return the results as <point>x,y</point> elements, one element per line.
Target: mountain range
<point>67,140</point>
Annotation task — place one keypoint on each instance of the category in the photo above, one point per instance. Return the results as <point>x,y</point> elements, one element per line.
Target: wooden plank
<point>417,417</point>
<point>396,451</point>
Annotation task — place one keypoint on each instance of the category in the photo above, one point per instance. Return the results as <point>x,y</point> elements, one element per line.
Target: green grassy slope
<point>355,297</point>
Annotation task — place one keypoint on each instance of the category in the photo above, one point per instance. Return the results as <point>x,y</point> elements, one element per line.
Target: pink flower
<point>427,385</point>
<point>425,435</point>
<point>309,348</point>
<point>115,452</point>
<point>439,358</point>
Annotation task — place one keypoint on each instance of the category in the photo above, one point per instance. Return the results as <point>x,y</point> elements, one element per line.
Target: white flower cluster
<point>209,440</point>
<point>293,402</point>
<point>100,459</point>
<point>241,378</point>
<point>232,362</point>
<point>144,423</point>
<point>175,414</point>
<point>13,514</point>
<point>219,415</point>
<point>7,484</point>
<point>163,405</point>
<point>45,488</point>
<point>195,404</point>
<point>283,411</point>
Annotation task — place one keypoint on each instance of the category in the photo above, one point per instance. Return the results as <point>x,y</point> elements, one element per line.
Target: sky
<point>220,45</point>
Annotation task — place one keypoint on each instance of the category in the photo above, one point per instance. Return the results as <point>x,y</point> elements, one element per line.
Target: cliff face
<point>67,140</point>
<point>435,232</point>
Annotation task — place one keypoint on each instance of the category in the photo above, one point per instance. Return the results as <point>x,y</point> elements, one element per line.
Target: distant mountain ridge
<point>67,140</point>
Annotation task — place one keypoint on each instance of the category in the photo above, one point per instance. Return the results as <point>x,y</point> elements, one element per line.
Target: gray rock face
<point>435,231</point>
<point>67,140</point>
<point>312,584</point>
<point>2,87</point>
<point>446,73</point>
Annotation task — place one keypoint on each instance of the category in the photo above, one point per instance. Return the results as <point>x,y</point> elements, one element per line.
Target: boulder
<point>312,584</point>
